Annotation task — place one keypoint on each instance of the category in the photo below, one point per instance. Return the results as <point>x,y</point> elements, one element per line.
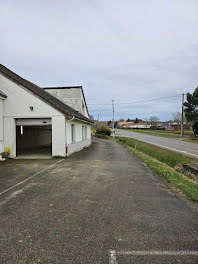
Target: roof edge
<point>61,88</point>
<point>42,94</point>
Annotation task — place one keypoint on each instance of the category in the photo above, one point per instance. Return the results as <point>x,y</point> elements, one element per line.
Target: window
<point>85,132</point>
<point>72,133</point>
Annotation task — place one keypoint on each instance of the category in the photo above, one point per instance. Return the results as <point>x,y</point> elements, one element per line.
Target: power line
<point>144,101</point>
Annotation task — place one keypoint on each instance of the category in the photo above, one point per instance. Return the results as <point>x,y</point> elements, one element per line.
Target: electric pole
<point>182,117</point>
<point>113,118</point>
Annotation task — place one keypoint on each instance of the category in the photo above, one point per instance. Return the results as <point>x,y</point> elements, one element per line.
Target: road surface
<point>101,206</point>
<point>180,146</point>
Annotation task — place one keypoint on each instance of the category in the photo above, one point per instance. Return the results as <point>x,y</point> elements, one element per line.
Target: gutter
<point>82,120</point>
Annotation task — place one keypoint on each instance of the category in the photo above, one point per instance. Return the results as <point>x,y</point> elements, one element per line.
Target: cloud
<point>126,50</point>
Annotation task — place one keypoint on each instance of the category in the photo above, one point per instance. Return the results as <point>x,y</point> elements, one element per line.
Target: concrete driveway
<point>101,206</point>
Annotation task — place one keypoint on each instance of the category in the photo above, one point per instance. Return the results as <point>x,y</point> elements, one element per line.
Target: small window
<point>72,133</point>
<point>85,132</point>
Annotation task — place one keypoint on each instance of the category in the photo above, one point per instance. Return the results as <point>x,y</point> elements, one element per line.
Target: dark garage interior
<point>34,141</point>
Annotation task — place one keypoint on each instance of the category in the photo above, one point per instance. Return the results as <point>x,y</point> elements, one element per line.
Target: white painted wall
<point>10,136</point>
<point>1,125</point>
<point>19,100</point>
<point>79,142</point>
<point>58,136</point>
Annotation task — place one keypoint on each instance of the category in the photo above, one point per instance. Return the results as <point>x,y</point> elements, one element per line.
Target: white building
<point>141,125</point>
<point>2,98</point>
<point>33,121</point>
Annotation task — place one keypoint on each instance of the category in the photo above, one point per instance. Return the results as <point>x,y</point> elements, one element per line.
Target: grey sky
<point>129,50</point>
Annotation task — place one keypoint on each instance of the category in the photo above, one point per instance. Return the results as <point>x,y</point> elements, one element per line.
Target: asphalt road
<point>184,147</point>
<point>101,206</point>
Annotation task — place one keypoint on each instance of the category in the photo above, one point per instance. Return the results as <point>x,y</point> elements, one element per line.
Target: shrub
<point>101,136</point>
<point>103,130</point>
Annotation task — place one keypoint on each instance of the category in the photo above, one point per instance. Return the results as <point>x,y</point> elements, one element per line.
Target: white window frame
<point>85,132</point>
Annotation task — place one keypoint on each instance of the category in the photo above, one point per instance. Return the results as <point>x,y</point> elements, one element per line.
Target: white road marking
<point>159,253</point>
<point>112,257</point>
<point>162,146</point>
<point>176,150</point>
<point>114,253</point>
<point>12,187</point>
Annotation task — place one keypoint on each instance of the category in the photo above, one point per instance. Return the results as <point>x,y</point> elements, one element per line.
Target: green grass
<point>186,185</point>
<point>168,157</point>
<point>164,133</point>
<point>162,162</point>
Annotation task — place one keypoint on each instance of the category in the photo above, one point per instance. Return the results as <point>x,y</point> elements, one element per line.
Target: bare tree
<point>177,116</point>
<point>154,119</point>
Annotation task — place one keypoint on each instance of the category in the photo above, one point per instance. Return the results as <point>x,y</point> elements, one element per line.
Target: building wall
<point>79,143</point>
<point>141,126</point>
<point>17,105</point>
<point>58,136</point>
<point>72,97</point>
<point>1,125</point>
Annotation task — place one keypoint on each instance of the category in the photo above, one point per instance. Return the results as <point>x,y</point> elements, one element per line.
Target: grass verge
<point>164,133</point>
<point>178,180</point>
<point>168,157</point>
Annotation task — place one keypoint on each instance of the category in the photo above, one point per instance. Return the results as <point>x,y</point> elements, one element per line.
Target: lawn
<point>163,163</point>
<point>188,134</point>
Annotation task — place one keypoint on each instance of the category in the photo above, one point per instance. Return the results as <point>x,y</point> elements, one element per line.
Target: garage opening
<point>33,141</point>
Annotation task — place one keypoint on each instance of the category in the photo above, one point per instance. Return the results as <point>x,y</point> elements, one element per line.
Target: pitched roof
<point>68,87</point>
<point>43,95</point>
<point>2,94</point>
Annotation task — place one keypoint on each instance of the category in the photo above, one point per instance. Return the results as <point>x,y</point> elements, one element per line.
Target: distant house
<point>125,124</point>
<point>35,120</point>
<point>174,125</point>
<point>142,124</point>
<point>131,125</point>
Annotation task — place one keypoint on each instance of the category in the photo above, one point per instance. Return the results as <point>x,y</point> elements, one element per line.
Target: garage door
<point>33,121</point>
<point>33,137</point>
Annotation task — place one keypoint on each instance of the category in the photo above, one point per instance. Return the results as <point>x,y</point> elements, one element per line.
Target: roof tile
<point>45,96</point>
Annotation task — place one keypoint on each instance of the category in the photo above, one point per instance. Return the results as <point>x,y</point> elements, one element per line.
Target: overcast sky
<point>126,50</point>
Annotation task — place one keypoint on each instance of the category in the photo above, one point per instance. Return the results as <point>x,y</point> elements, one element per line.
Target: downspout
<point>70,120</point>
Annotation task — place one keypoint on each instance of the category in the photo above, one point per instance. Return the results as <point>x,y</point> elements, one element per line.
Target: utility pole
<point>182,117</point>
<point>98,117</point>
<point>113,118</point>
